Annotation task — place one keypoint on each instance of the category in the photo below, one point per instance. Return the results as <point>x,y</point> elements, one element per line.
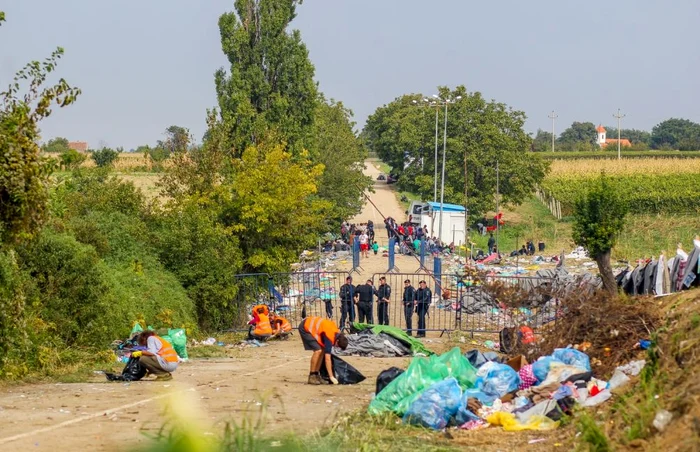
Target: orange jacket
<point>261,307</point>
<point>318,325</point>
<point>167,352</point>
<point>280,324</point>
<point>263,328</point>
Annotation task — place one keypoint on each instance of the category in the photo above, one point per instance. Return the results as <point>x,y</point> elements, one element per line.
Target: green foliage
<point>636,137</point>
<point>592,434</point>
<point>643,193</point>
<point>177,139</point>
<point>269,90</point>
<point>542,141</point>
<point>70,283</point>
<point>204,255</point>
<point>579,133</point>
<point>674,133</point>
<point>13,288</point>
<point>71,159</point>
<point>104,157</point>
<point>611,154</point>
<point>341,153</point>
<point>481,132</point>
<point>599,217</point>
<point>24,174</point>
<point>56,145</point>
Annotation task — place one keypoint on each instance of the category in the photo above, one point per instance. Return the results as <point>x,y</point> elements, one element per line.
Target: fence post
<point>422,253</point>
<point>392,256</point>
<point>355,256</point>
<point>437,273</point>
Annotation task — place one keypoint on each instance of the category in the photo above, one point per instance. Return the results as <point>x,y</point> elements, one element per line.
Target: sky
<point>145,65</point>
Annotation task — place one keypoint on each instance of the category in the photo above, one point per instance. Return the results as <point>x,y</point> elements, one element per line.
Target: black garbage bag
<point>133,371</point>
<point>386,377</point>
<point>344,372</point>
<point>478,359</point>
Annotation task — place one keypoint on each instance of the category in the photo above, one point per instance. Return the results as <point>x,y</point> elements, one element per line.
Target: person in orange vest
<point>280,326</point>
<point>159,359</point>
<point>260,327</point>
<point>319,335</point>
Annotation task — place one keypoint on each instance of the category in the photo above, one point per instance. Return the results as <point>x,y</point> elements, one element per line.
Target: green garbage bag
<point>137,329</point>
<point>421,374</point>
<point>166,337</point>
<point>179,341</point>
<point>417,346</point>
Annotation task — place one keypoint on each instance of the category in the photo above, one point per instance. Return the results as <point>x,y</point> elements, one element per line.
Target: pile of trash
<point>477,390</point>
<point>381,341</point>
<point>176,336</point>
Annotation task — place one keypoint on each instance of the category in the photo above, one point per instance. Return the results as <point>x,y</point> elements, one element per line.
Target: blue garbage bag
<point>541,367</point>
<point>572,357</point>
<point>436,406</point>
<point>463,414</point>
<point>499,380</point>
<point>481,396</point>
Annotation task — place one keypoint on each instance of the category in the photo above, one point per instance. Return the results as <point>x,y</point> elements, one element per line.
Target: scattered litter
<point>535,441</point>
<point>662,419</point>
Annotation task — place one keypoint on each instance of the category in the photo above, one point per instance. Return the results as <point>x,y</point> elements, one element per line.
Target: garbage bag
<point>500,379</point>
<point>480,395</point>
<point>386,377</point>
<point>510,424</point>
<point>541,367</point>
<point>137,329</point>
<point>478,359</point>
<point>463,414</point>
<point>179,342</point>
<point>420,375</point>
<point>435,406</point>
<point>133,371</point>
<point>572,357</point>
<point>344,372</point>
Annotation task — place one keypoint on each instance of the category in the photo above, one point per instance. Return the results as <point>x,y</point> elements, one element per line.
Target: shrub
<point>105,157</point>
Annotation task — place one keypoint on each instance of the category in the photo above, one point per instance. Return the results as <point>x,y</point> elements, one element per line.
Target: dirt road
<point>107,416</point>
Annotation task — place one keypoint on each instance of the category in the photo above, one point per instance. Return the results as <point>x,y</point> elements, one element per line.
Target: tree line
<point>671,134</point>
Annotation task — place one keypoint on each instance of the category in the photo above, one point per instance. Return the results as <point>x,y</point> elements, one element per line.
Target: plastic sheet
<point>572,357</point>
<point>498,379</point>
<point>541,367</point>
<point>420,375</point>
<point>436,406</point>
<point>510,424</point>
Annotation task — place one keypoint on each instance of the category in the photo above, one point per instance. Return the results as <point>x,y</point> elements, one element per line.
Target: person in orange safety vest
<point>260,327</point>
<point>319,335</point>
<point>280,326</point>
<point>159,359</point>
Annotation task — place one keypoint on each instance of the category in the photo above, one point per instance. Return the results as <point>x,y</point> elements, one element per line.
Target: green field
<point>612,155</point>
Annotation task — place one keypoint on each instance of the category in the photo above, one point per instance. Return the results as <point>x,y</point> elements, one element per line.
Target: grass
<point>592,435</point>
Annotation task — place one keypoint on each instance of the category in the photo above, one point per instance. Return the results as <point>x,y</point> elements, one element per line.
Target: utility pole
<point>437,111</point>
<point>619,116</point>
<point>498,220</point>
<point>553,116</point>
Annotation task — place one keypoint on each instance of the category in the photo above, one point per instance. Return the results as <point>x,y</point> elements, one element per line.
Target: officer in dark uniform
<point>365,293</point>
<point>409,305</point>
<point>348,297</point>
<point>383,296</point>
<point>423,299</point>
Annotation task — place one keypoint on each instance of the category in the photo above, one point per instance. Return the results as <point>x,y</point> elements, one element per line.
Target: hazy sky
<point>144,65</point>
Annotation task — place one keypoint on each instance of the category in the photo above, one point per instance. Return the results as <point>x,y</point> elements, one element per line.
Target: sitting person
<point>280,326</point>
<point>159,359</point>
<point>260,327</point>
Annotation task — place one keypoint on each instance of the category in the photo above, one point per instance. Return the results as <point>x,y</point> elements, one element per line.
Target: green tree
<point>269,90</point>
<point>599,218</point>
<point>338,148</point>
<point>480,133</point>
<point>71,159</point>
<point>24,174</point>
<point>177,139</point>
<point>579,136</point>
<point>104,157</point>
<point>542,141</point>
<point>674,133</point>
<point>56,146</point>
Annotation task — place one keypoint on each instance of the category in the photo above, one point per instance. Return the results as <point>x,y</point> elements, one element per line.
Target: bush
<point>105,157</point>
<point>71,159</point>
<point>13,338</point>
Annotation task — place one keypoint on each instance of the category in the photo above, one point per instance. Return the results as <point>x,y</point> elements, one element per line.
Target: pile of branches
<point>606,328</point>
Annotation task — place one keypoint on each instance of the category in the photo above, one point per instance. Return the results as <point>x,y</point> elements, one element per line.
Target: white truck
<point>428,214</point>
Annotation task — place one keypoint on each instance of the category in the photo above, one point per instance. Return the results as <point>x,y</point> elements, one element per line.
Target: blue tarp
<point>446,207</point>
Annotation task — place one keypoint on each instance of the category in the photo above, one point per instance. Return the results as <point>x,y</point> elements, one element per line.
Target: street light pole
<point>619,117</point>
<point>444,156</point>
<point>553,116</point>
<point>437,111</point>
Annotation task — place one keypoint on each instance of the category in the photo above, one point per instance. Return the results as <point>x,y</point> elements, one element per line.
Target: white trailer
<point>428,214</point>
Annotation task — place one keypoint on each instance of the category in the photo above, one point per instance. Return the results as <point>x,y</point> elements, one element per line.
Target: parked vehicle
<point>392,178</point>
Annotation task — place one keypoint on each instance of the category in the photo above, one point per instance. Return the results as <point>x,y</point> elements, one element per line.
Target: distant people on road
<point>364,244</point>
<point>491,243</point>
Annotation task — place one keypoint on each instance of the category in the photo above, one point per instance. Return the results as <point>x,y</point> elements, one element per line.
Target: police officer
<point>409,305</point>
<point>365,294</point>
<point>348,297</point>
<point>383,295</point>
<point>423,300</point>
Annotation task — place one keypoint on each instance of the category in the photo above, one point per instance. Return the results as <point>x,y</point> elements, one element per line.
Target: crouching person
<point>319,335</point>
<point>281,328</point>
<point>260,327</point>
<point>159,359</point>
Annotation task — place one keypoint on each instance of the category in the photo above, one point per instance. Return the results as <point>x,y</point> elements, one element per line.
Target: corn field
<point>649,186</point>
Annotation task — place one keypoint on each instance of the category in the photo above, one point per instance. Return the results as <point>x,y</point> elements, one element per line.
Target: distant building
<point>603,140</point>
<point>80,146</point>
